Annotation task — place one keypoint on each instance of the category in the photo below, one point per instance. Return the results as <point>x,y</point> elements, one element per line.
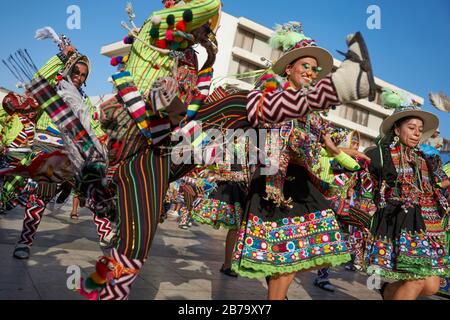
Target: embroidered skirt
<point>275,240</point>
<point>445,287</point>
<point>408,245</point>
<point>223,208</point>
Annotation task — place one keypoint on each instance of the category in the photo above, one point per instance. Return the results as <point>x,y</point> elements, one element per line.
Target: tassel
<point>47,33</point>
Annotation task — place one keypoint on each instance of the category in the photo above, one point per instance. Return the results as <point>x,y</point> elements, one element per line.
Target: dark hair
<point>389,172</point>
<point>401,121</point>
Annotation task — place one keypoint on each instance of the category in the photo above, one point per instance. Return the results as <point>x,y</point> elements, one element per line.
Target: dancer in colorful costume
<point>289,225</point>
<point>139,214</point>
<point>408,240</point>
<point>17,121</point>
<point>48,164</point>
<point>338,170</point>
<point>224,206</point>
<point>149,104</point>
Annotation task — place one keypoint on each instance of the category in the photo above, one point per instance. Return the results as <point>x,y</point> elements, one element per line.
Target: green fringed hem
<point>409,264</point>
<point>216,225</point>
<point>254,270</point>
<point>395,275</point>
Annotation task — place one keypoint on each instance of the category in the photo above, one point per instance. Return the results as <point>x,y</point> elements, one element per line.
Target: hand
<point>331,147</point>
<point>69,50</point>
<point>355,154</point>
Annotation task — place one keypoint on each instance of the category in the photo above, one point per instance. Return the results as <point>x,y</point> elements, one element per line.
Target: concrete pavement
<point>183,265</point>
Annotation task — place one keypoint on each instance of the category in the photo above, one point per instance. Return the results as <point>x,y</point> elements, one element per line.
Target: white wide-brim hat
<point>430,122</point>
<point>323,57</point>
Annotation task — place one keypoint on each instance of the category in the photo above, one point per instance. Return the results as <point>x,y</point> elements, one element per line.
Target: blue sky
<point>410,50</point>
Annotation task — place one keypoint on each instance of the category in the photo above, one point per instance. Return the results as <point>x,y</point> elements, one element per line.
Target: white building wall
<point>3,93</point>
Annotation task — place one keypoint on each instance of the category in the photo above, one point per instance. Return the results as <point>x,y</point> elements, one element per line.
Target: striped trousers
<point>34,210</point>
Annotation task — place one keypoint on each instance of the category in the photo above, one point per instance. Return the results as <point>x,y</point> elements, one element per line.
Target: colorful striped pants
<point>34,210</point>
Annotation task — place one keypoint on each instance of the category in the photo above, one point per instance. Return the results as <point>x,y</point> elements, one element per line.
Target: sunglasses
<point>316,70</point>
<point>76,72</point>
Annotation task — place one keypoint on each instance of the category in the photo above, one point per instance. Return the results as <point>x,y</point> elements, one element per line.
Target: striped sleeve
<point>203,87</point>
<point>277,107</point>
<point>50,70</point>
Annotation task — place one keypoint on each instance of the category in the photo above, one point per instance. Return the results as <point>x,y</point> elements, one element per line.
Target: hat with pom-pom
<point>290,39</point>
<point>406,107</point>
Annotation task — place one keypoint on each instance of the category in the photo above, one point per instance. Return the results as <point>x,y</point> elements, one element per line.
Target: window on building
<point>244,39</point>
<point>354,114</point>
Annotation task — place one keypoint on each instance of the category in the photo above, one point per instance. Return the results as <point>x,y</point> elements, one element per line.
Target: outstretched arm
<point>290,104</point>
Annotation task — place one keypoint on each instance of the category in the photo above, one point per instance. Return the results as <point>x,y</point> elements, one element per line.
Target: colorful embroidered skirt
<point>445,287</point>
<point>275,240</point>
<point>408,245</point>
<point>223,208</point>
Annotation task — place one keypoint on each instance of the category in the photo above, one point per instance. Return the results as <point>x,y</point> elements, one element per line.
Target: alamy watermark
<point>74,280</point>
<point>374,20</point>
<point>74,20</point>
<point>215,146</point>
<point>374,281</point>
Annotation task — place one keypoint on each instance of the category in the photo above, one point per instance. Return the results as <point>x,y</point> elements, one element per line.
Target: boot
<point>354,79</point>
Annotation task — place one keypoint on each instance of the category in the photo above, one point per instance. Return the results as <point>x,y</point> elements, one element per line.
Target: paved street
<point>183,265</point>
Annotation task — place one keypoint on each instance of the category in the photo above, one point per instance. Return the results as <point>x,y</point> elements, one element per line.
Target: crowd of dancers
<point>312,201</point>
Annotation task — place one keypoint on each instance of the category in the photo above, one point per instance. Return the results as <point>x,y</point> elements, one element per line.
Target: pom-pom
<point>271,86</point>
<point>184,45</point>
<point>125,59</point>
<point>391,99</point>
<point>178,36</point>
<point>119,59</point>
<point>154,33</point>
<point>162,44</point>
<point>169,35</point>
<point>169,4</point>
<point>188,16</point>
<point>59,77</point>
<point>174,45</point>
<point>98,279</point>
<point>170,20</point>
<point>116,145</point>
<point>128,40</point>
<point>156,21</point>
<point>114,62</point>
<point>181,26</point>
<point>285,37</point>
<point>90,284</point>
